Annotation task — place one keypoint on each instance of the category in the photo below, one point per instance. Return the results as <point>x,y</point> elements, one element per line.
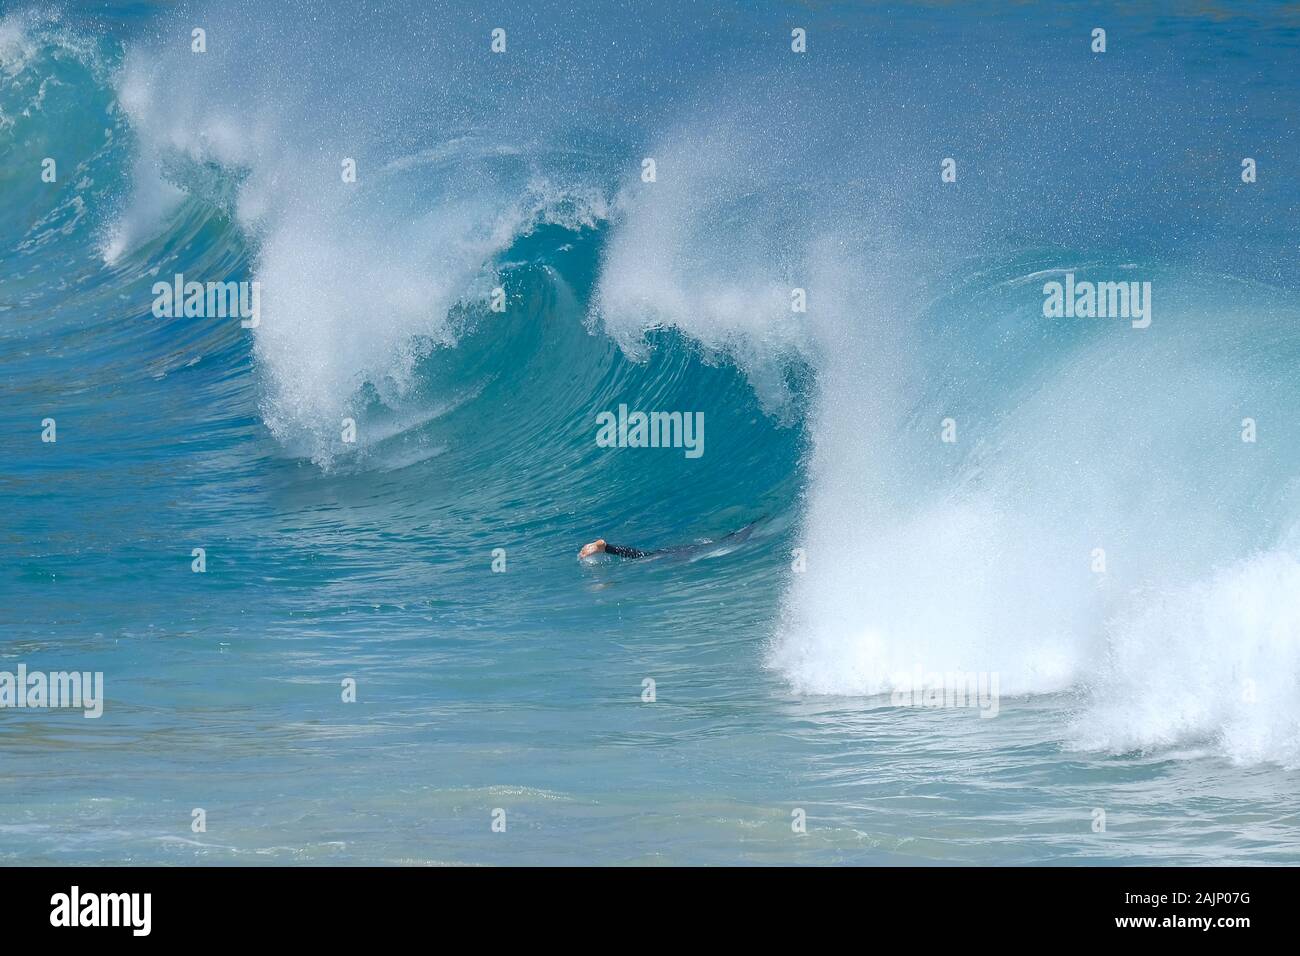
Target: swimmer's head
<point>593,549</point>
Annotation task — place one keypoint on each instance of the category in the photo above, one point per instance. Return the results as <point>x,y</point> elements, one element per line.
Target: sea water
<point>326,562</point>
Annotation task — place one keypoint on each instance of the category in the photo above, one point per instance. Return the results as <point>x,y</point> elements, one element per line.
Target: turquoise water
<point>1164,690</point>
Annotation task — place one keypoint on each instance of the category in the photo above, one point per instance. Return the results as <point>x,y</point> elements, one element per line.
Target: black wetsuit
<point>618,552</point>
<point>735,537</point>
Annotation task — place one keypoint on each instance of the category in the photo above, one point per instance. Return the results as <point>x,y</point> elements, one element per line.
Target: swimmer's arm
<point>599,546</point>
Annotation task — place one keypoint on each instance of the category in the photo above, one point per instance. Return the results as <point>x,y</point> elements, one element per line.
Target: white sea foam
<point>1215,661</point>
<point>359,279</point>
<point>16,44</point>
<point>981,556</point>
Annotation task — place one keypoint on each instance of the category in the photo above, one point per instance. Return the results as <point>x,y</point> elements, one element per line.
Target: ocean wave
<point>922,306</point>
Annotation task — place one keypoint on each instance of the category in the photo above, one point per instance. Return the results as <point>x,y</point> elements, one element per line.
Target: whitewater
<point>945,476</point>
